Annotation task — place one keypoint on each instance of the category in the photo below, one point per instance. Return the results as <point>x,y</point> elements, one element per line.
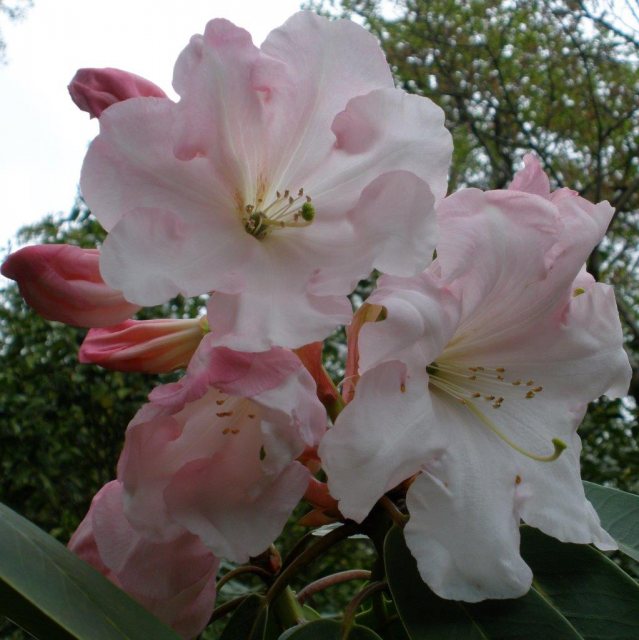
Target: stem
<point>396,515</point>
<point>241,570</point>
<point>227,607</point>
<point>328,581</point>
<point>307,555</point>
<point>351,608</point>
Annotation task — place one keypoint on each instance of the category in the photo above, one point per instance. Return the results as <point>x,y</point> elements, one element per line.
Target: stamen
<point>284,211</point>
<point>440,377</point>
<point>559,445</point>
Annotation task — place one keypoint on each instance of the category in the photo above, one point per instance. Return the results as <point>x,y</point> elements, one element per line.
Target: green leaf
<point>50,592</point>
<point>619,513</point>
<point>599,599</point>
<point>248,621</point>
<point>327,630</point>
<point>428,617</point>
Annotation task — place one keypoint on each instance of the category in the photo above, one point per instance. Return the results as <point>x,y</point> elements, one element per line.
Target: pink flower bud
<point>62,282</point>
<point>93,90</point>
<point>151,346</point>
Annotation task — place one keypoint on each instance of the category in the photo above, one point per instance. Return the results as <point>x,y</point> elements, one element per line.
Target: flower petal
<point>381,438</point>
<point>422,316</point>
<point>308,84</point>
<point>155,254</point>
<point>384,130</point>
<point>175,581</point>
<point>464,527</point>
<point>131,164</point>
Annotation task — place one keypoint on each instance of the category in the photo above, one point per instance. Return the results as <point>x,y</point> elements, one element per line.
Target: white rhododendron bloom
<point>477,380</point>
<point>282,176</point>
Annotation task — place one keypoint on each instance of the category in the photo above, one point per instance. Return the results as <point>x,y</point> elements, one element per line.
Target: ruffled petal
<point>175,581</point>
<point>156,254</point>
<point>381,131</point>
<point>275,307</point>
<point>308,84</point>
<point>131,164</point>
<point>422,316</point>
<point>381,438</point>
<point>464,526</point>
<point>515,257</point>
<point>201,459</point>
<point>531,178</point>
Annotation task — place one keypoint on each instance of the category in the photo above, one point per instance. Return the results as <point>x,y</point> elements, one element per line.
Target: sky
<point>43,136</point>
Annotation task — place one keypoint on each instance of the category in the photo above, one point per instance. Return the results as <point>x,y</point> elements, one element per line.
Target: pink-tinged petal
<point>531,178</point>
<point>154,255</point>
<point>515,257</point>
<point>62,282</point>
<point>261,316</point>
<point>381,131</point>
<point>175,581</point>
<point>380,438</point>
<point>307,84</point>
<point>151,346</point>
<point>221,115</point>
<point>551,497</point>
<point>131,165</point>
<point>232,372</point>
<point>93,90</point>
<point>392,228</point>
<point>421,317</point>
<point>228,502</point>
<point>464,527</point>
<point>238,421</point>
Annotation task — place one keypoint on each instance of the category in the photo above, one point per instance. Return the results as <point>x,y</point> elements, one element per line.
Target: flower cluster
<point>280,178</point>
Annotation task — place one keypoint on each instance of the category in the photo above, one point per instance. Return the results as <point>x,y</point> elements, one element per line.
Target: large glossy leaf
<point>54,595</point>
<point>577,593</point>
<point>248,621</point>
<point>327,630</point>
<point>599,599</point>
<point>428,617</point>
<point>619,513</point>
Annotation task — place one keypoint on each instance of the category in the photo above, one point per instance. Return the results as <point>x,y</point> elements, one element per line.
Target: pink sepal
<point>62,282</point>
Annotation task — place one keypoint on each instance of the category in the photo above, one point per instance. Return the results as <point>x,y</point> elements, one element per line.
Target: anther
<point>530,383</point>
<point>538,389</point>
<point>224,414</point>
<point>530,394</point>
<point>220,402</point>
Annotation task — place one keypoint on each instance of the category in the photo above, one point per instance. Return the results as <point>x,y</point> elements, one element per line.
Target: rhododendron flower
<point>281,177</point>
<point>93,90</point>
<point>477,380</point>
<point>151,346</point>
<point>215,453</point>
<point>62,282</point>
<point>174,580</point>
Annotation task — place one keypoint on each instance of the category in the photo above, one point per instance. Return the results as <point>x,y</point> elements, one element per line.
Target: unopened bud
<point>93,90</point>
